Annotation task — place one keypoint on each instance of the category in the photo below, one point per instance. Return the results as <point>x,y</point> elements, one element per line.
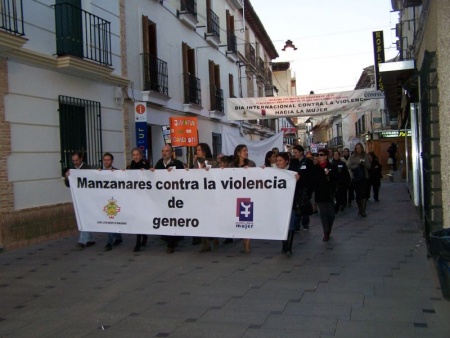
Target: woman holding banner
<point>283,163</point>
<point>240,160</point>
<point>204,160</point>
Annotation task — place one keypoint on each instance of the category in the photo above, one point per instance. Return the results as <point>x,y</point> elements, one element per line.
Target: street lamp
<point>289,44</point>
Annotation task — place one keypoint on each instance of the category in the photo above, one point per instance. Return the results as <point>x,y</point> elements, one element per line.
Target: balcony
<point>268,75</point>
<point>11,25</point>
<point>82,34</point>
<point>260,65</point>
<point>250,54</point>
<point>156,80</point>
<point>192,90</point>
<point>188,13</point>
<point>270,90</point>
<point>155,74</point>
<point>213,25</point>
<point>232,47</point>
<point>335,142</point>
<point>11,17</point>
<point>216,95</point>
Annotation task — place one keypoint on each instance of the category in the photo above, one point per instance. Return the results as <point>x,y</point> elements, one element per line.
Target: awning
<point>394,75</point>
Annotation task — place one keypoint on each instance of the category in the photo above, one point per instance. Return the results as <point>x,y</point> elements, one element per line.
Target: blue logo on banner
<point>244,209</point>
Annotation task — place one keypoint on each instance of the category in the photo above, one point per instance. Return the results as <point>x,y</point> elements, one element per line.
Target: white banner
<point>256,149</point>
<point>239,203</point>
<point>304,105</point>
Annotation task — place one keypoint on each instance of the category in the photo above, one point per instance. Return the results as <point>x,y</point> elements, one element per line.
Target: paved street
<point>372,279</point>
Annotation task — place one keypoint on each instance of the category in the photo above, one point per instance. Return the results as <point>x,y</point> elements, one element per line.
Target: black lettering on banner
<point>175,222</point>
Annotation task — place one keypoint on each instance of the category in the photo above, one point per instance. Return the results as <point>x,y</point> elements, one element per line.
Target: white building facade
<point>185,58</point>
<point>60,66</point>
<point>71,72</point>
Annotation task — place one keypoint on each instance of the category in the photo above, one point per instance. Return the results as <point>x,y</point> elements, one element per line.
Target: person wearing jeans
<point>324,178</point>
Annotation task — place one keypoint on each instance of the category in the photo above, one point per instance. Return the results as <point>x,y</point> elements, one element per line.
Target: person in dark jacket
<point>167,161</point>
<point>86,237</point>
<point>324,178</point>
<point>374,176</point>
<point>359,164</point>
<point>139,163</point>
<point>283,163</point>
<point>114,238</point>
<point>392,160</point>
<point>342,183</point>
<point>303,166</point>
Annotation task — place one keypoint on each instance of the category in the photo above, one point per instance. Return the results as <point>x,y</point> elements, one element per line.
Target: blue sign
<point>142,138</point>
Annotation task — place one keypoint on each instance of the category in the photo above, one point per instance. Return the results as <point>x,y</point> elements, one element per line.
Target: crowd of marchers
<point>327,182</point>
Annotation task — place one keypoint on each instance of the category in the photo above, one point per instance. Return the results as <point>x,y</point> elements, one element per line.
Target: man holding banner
<point>168,162</point>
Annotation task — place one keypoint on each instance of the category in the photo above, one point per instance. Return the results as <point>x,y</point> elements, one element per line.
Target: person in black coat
<point>374,176</point>
<point>342,183</point>
<point>282,161</point>
<point>303,166</point>
<point>324,178</point>
<point>138,163</point>
<point>392,160</point>
<point>167,161</point>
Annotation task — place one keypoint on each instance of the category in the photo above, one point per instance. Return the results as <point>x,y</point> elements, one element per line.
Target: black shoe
<point>289,253</point>
<point>305,227</point>
<point>117,242</point>
<point>170,250</point>
<point>137,248</point>
<point>108,247</point>
<point>90,243</point>
<point>80,246</point>
<point>228,241</point>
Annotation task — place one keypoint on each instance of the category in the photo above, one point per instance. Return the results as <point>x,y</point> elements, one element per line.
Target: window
<point>155,70</point>
<point>231,85</point>
<point>216,93</point>
<point>213,21</point>
<point>80,130</point>
<point>189,6</point>
<point>216,144</point>
<point>192,88</point>
<point>231,37</point>
<point>82,34</point>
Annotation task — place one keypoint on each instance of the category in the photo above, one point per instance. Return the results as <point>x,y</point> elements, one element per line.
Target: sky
<point>333,38</point>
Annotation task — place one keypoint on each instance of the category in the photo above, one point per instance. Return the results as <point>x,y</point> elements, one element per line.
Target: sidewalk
<point>372,279</point>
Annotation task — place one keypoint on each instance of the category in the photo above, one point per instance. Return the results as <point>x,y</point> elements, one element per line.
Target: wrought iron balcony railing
<point>192,90</point>
<point>189,6</point>
<point>82,34</point>
<point>155,74</point>
<point>213,24</point>
<point>250,53</point>
<point>216,98</point>
<point>11,17</point>
<point>231,42</point>
<point>269,90</point>
<point>261,65</point>
<point>268,75</point>
<point>335,142</point>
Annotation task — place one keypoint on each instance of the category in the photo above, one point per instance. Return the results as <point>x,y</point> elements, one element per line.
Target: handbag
<point>306,208</point>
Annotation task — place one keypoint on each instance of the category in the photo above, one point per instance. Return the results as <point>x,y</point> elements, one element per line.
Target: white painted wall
<point>31,108</point>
